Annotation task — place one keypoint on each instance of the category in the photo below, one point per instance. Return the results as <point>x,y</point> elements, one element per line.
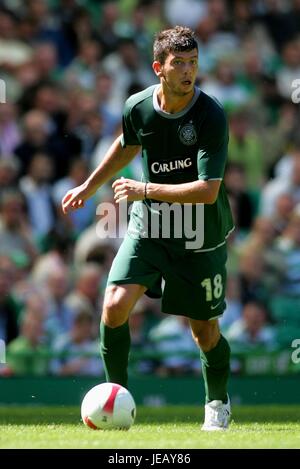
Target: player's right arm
<point>115,159</point>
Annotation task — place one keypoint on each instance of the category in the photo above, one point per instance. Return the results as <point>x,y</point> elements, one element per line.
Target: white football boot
<point>217,416</point>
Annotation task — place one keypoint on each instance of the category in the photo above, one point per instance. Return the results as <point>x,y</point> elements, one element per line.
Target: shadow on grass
<point>11,415</point>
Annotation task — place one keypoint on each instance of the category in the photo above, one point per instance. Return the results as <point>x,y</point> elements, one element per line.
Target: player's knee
<point>205,343</point>
<point>114,313</point>
<point>206,339</point>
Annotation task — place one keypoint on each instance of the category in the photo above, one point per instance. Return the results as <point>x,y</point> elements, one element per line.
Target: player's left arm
<point>211,161</point>
<point>195,192</point>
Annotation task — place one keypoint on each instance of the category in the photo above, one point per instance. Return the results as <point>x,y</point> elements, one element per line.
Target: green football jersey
<point>179,148</point>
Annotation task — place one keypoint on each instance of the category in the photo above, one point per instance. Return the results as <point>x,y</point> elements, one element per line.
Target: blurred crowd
<point>68,67</point>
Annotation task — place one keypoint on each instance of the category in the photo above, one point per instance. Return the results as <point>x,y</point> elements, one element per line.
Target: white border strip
<point>218,245</point>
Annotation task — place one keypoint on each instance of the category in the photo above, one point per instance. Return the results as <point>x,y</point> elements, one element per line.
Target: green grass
<point>165,427</point>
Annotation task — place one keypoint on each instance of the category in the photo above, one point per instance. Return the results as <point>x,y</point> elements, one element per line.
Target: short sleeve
<point>212,155</point>
<point>129,136</point>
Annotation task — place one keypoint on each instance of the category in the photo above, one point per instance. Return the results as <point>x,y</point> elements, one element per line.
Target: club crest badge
<point>187,134</point>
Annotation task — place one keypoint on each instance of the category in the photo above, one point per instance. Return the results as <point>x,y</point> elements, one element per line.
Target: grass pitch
<point>170,427</point>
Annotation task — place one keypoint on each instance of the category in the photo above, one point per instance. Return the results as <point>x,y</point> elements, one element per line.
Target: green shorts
<point>190,284</point>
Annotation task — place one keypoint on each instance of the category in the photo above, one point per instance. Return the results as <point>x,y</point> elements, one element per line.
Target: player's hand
<point>128,189</point>
<point>74,199</point>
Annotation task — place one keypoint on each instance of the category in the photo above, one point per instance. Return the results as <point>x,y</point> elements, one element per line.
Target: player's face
<point>179,71</point>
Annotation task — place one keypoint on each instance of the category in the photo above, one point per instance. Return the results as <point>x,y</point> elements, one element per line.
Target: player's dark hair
<point>178,39</point>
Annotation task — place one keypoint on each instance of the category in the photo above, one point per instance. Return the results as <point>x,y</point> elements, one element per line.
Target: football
<point>108,406</point>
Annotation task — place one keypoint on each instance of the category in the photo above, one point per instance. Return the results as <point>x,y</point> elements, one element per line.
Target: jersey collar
<point>176,115</point>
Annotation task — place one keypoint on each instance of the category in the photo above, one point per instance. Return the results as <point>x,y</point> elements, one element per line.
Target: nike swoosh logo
<point>215,306</point>
<point>146,134</point>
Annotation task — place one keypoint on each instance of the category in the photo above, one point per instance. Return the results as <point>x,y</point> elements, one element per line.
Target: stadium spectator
<point>132,170</point>
<point>253,328</point>
<point>15,229</point>
<point>107,28</point>
<point>46,131</point>
<point>140,341</point>
<point>9,169</point>
<point>45,28</point>
<point>260,238</point>
<point>218,10</point>
<point>283,212</point>
<point>27,355</point>
<point>76,351</point>
<point>77,25</point>
<point>192,10</point>
<point>35,186</point>
<point>36,131</point>
<point>60,316</point>
<point>9,308</point>
<point>176,351</point>
<point>86,294</point>
<point>285,302</point>
<point>279,138</point>
<point>76,175</point>
<point>235,182</point>
<point>290,70</point>
<point>289,183</point>
<point>288,245</point>
<point>246,148</point>
<point>277,22</point>
<point>225,87</point>
<point>13,51</point>
<point>83,70</point>
<point>213,46</point>
<point>103,94</point>
<point>45,58</point>
<point>125,66</point>
<point>253,279</point>
<point>90,132</point>
<point>234,305</point>
<point>10,134</point>
<point>57,256</point>
<point>99,242</point>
